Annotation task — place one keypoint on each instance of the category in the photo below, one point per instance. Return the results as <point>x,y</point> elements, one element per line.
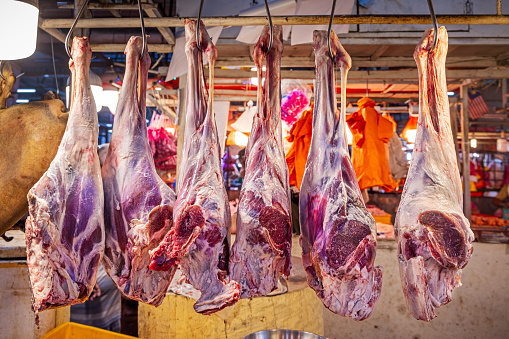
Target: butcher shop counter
<point>16,316</point>
<point>297,309</point>
<point>478,308</point>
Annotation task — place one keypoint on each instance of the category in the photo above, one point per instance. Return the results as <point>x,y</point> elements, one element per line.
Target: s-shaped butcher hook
<point>435,24</point>
<point>198,26</point>
<point>330,29</point>
<point>270,26</point>
<point>69,34</point>
<point>142,30</point>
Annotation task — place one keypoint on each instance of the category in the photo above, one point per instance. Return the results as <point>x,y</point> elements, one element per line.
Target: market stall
<point>249,166</point>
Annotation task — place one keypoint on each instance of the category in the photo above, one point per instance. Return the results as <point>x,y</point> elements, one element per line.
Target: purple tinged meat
<point>65,228</point>
<point>200,240</point>
<point>138,205</point>
<point>262,250</point>
<point>434,237</point>
<point>338,234</point>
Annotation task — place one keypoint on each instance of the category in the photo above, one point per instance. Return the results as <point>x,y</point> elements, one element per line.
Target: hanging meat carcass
<point>434,237</point>
<point>65,229</point>
<point>200,239</point>
<point>262,249</point>
<point>29,137</point>
<point>338,234</point>
<point>138,205</point>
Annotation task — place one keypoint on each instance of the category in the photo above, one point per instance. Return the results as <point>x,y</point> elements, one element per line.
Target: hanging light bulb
<point>18,28</point>
<point>237,138</point>
<point>97,90</point>
<point>473,143</point>
<point>410,130</point>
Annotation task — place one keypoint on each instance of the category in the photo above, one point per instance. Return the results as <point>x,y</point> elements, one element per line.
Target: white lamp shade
<point>18,29</point>
<point>110,100</point>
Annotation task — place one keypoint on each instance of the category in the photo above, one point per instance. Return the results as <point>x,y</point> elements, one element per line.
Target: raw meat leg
<point>262,249</point>
<point>338,234</point>
<point>138,205</point>
<point>65,229</point>
<point>200,240</point>
<point>434,237</point>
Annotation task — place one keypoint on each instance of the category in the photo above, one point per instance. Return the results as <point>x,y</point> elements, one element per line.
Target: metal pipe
<point>465,149</point>
<point>282,20</point>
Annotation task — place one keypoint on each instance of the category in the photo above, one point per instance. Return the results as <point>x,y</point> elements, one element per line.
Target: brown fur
<point>29,138</point>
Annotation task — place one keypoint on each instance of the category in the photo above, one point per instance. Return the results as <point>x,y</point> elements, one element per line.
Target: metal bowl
<point>282,334</point>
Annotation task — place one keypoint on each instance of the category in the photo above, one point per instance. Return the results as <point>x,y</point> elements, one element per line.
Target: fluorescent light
<point>451,94</point>
<point>22,101</point>
<point>473,143</point>
<point>254,69</point>
<point>18,24</point>
<point>26,90</point>
<point>254,81</point>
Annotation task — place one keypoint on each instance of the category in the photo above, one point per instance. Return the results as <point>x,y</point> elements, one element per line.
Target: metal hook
<point>142,29</point>
<point>270,26</point>
<point>435,24</point>
<point>330,29</point>
<point>198,26</point>
<point>67,48</point>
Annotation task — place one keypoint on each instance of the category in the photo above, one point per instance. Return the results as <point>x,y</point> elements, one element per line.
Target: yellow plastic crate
<point>383,219</point>
<point>79,331</point>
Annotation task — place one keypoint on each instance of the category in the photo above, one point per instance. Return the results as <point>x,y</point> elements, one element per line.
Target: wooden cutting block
<point>298,309</point>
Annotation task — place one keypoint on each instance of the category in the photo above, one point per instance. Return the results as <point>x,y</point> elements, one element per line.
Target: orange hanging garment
<point>370,153</point>
<point>296,158</point>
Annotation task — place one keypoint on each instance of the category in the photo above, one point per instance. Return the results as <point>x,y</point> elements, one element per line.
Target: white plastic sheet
<point>303,34</point>
<point>222,109</point>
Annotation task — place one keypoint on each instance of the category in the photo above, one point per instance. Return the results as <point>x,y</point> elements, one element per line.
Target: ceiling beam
<point>283,20</point>
<point>389,88</point>
<point>407,62</point>
<point>109,5</point>
<point>165,31</point>
<point>379,51</point>
<point>120,48</point>
<point>114,12</point>
<point>490,73</point>
<point>54,32</point>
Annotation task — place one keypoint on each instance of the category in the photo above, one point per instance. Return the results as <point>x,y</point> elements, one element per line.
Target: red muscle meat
<point>434,237</point>
<point>338,234</point>
<point>65,229</point>
<point>200,240</point>
<point>138,205</point>
<point>262,249</point>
